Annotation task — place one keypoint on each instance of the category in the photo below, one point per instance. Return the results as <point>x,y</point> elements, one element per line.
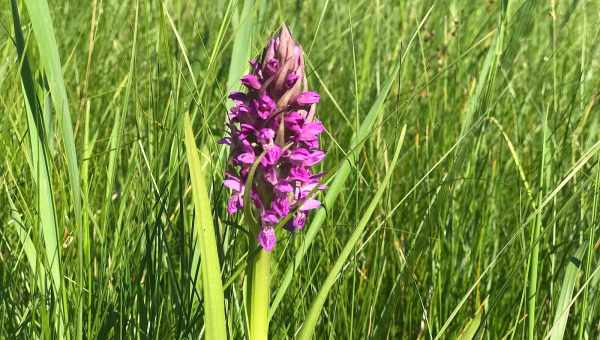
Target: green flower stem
<point>259,267</point>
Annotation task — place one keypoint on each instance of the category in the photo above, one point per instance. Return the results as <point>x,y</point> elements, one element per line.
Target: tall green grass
<point>485,226</point>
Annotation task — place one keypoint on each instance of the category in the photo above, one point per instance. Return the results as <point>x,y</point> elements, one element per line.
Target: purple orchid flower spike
<point>275,118</point>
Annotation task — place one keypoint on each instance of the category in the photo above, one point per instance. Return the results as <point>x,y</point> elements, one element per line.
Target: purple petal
<point>311,130</point>
<point>270,176</point>
<point>284,186</point>
<point>239,96</point>
<point>237,111</point>
<point>269,218</point>
<point>272,66</point>
<point>299,220</point>
<point>233,182</point>
<point>315,158</point>
<point>243,144</point>
<point>224,141</point>
<point>272,155</point>
<point>311,144</point>
<point>299,174</point>
<point>234,204</point>
<point>264,106</point>
<point>246,158</point>
<point>233,185</point>
<point>233,114</point>
<point>251,81</point>
<point>265,135</point>
<point>297,223</point>
<point>293,117</point>
<point>299,155</point>
<point>245,130</point>
<point>293,122</point>
<point>266,238</point>
<point>311,185</point>
<point>291,79</point>
<point>308,98</point>
<point>310,204</point>
<point>306,188</point>
<point>281,206</point>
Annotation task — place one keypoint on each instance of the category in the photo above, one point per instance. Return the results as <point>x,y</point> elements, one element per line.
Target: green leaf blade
<point>205,239</point>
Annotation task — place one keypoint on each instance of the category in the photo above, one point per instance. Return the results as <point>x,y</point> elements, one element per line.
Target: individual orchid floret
<point>273,124</point>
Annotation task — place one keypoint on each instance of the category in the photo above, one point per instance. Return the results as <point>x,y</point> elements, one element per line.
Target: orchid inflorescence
<point>273,124</point>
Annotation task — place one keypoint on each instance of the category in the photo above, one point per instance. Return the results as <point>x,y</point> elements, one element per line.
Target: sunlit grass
<point>488,216</point>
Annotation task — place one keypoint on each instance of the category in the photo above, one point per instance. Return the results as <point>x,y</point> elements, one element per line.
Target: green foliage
<point>204,238</point>
<point>485,227</point>
<point>308,328</point>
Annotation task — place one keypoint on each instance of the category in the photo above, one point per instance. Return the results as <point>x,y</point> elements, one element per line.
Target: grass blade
<point>41,21</point>
<point>212,286</point>
<point>240,54</point>
<point>570,174</point>
<point>41,167</point>
<point>470,329</point>
<point>336,187</point>
<point>26,243</point>
<point>317,305</point>
<point>242,42</point>
<point>563,307</point>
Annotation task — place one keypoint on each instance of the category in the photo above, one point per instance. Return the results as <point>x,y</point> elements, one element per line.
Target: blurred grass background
<point>488,227</point>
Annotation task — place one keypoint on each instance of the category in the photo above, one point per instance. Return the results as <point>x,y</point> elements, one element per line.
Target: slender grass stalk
<point>85,259</point>
<point>535,239</point>
<point>336,187</point>
<point>308,328</point>
<point>533,277</point>
<point>570,304</point>
<point>49,57</point>
<point>586,310</point>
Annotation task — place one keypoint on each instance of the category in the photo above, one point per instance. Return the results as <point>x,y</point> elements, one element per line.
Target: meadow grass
<point>463,149</point>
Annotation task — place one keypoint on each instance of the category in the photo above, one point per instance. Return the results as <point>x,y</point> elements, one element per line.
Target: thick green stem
<point>259,273</point>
